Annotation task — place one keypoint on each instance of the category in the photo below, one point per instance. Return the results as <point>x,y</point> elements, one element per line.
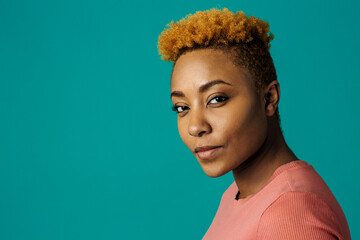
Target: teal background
<point>89,148</point>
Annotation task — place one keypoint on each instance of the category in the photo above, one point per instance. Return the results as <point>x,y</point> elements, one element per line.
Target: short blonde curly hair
<point>245,40</point>
<point>211,27</point>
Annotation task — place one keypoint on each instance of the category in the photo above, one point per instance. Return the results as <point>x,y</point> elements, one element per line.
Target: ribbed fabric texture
<point>295,203</point>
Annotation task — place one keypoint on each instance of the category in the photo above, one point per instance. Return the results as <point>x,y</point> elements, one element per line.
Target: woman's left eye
<point>218,99</point>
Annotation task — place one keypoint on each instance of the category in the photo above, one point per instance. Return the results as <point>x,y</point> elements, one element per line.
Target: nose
<point>198,124</point>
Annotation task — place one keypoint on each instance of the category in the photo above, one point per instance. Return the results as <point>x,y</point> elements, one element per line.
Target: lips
<point>207,152</point>
<point>205,148</point>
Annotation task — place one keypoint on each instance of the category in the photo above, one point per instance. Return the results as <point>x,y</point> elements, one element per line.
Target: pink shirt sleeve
<point>298,215</point>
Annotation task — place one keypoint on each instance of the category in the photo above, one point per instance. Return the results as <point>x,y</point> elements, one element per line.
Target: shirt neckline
<point>278,171</point>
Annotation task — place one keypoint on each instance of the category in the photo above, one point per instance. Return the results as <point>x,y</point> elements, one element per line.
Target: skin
<point>232,116</point>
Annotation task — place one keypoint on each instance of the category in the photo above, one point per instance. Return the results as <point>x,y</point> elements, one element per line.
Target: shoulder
<point>298,215</point>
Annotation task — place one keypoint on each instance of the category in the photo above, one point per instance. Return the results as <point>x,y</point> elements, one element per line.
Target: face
<point>217,106</point>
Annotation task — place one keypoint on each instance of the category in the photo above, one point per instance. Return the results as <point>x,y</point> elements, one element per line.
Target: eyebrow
<point>202,89</point>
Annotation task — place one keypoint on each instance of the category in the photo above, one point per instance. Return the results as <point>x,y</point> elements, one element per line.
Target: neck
<point>251,175</point>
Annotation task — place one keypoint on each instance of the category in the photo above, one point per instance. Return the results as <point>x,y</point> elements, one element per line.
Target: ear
<point>271,97</point>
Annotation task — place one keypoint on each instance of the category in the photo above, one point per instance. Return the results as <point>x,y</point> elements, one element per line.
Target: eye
<point>218,99</point>
<point>176,108</point>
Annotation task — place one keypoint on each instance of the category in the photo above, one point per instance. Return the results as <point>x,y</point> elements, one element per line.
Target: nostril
<point>197,132</point>
<point>201,133</point>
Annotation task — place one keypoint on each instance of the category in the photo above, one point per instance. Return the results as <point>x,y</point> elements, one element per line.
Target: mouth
<point>207,152</point>
<point>205,148</point>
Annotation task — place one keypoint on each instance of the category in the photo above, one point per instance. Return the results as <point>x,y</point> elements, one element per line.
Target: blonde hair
<point>211,27</point>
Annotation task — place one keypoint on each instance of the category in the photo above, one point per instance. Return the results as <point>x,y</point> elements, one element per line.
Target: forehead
<point>198,67</point>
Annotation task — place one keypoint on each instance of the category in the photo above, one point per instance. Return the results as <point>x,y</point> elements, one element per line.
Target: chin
<point>214,172</point>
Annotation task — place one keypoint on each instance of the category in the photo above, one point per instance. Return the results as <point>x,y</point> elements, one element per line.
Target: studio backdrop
<point>89,146</point>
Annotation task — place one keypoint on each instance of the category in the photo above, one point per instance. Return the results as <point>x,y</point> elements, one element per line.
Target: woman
<point>225,91</point>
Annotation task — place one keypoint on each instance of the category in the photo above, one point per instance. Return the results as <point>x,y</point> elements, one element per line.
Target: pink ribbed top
<point>295,203</point>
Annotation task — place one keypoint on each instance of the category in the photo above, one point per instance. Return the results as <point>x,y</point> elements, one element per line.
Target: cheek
<point>244,127</point>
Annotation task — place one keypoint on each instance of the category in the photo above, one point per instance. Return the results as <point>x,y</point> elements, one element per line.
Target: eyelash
<point>174,108</point>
